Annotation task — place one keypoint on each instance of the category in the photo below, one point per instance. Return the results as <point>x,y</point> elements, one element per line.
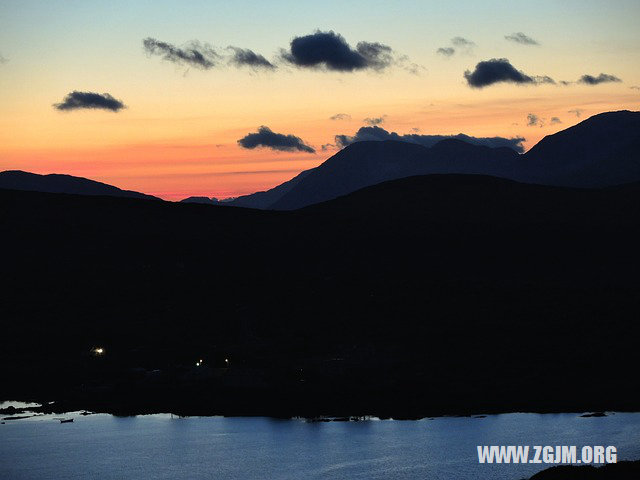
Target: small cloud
<point>409,66</point>
<point>536,121</point>
<point>415,129</point>
<point>544,79</point>
<point>266,138</point>
<point>577,112</point>
<point>375,121</point>
<point>193,54</point>
<point>634,87</point>
<point>555,121</point>
<point>521,38</point>
<point>498,70</point>
<point>462,42</point>
<point>89,100</point>
<point>3,59</point>
<point>330,51</point>
<point>602,78</point>
<point>246,57</point>
<point>446,51</point>
<point>328,146</point>
<point>340,116</point>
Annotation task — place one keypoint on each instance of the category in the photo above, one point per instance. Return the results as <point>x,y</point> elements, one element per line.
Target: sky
<point>170,97</point>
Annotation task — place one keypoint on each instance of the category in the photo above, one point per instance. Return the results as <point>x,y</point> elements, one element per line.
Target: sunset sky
<point>178,133</point>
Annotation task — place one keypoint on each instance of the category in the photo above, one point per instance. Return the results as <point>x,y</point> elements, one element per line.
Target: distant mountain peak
<point>202,200</point>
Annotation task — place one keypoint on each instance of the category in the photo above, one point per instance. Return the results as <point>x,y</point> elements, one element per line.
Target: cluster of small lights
<point>98,351</point>
<point>201,361</point>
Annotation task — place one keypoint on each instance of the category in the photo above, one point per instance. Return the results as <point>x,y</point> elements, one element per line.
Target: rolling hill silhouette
<point>601,151</point>
<point>56,183</point>
<point>422,295</point>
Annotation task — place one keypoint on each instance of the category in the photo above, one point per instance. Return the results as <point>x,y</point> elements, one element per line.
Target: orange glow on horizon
<point>211,164</point>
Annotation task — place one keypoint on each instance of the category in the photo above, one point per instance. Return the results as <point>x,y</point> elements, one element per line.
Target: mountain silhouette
<point>263,200</point>
<point>601,151</point>
<point>203,200</point>
<point>56,183</point>
<point>368,163</point>
<point>416,296</point>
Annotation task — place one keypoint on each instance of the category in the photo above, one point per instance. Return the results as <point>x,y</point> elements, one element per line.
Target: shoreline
<point>47,408</point>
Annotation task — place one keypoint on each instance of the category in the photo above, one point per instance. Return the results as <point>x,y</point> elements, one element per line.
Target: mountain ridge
<point>62,183</point>
<point>602,150</point>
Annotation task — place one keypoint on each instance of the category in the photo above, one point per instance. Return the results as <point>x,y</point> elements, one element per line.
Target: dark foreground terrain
<point>422,296</point>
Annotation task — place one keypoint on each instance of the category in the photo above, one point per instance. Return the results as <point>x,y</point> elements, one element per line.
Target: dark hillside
<point>436,294</point>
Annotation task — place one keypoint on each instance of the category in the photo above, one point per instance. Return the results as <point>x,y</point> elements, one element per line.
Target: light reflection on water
<point>162,447</point>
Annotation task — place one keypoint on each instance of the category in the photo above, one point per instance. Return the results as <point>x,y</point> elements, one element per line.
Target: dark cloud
<point>193,54</point>
<point>499,70</point>
<point>320,50</point>
<point>328,146</point>
<point>521,38</point>
<point>462,42</point>
<point>591,80</point>
<point>375,120</point>
<point>446,51</point>
<point>245,57</point>
<point>602,78</point>
<point>331,51</point>
<point>375,133</point>
<point>205,57</point>
<point>3,59</point>
<point>533,120</point>
<point>577,112</point>
<point>340,116</point>
<point>536,121</point>
<point>378,55</point>
<point>79,100</point>
<point>265,137</point>
<point>634,87</point>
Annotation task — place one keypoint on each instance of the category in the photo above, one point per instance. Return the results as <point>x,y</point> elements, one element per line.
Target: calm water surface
<point>161,447</point>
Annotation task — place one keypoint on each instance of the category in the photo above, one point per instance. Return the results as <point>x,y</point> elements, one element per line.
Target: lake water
<point>161,447</point>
